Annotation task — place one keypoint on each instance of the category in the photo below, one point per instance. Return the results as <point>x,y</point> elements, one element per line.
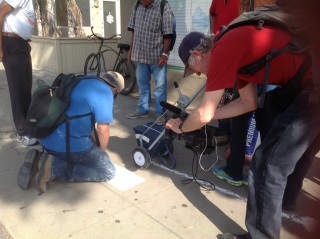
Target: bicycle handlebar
<point>101,38</point>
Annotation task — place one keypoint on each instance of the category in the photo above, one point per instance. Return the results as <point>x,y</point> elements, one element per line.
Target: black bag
<point>278,99</point>
<point>48,105</point>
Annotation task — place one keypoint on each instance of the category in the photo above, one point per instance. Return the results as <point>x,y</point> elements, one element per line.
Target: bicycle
<point>95,61</point>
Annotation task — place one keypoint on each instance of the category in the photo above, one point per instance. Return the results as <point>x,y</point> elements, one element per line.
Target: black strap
<point>253,67</point>
<point>68,119</point>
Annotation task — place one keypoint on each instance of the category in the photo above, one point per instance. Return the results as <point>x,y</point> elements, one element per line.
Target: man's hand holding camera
<point>174,124</point>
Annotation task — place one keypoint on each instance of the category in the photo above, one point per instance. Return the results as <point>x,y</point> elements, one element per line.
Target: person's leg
<point>291,134</point>
<point>143,73</point>
<point>160,91</point>
<point>93,165</point>
<point>295,180</point>
<point>18,67</point>
<point>238,137</point>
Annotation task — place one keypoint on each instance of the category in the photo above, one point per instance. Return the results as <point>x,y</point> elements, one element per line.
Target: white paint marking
<point>125,179</point>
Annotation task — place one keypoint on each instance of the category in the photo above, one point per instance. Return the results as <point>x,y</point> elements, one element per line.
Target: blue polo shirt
<point>88,96</point>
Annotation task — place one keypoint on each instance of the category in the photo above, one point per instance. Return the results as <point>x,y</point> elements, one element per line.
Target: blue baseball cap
<point>187,45</point>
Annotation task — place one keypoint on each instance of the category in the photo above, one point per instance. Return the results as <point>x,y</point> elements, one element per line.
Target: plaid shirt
<point>149,29</point>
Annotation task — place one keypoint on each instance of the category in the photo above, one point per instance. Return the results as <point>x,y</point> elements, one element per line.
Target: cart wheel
<point>166,154</point>
<point>141,158</point>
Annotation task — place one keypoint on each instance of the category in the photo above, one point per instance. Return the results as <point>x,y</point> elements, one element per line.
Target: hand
<point>173,124</point>
<point>163,61</point>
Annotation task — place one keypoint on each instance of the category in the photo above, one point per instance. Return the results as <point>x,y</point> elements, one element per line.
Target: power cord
<point>194,168</point>
<point>194,175</point>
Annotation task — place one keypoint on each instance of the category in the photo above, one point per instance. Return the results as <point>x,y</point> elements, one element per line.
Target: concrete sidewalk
<point>153,203</point>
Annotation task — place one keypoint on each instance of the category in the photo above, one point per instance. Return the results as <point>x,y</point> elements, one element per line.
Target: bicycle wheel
<point>92,65</point>
<point>128,71</point>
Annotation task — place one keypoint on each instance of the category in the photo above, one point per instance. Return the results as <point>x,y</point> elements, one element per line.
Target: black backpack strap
<point>93,122</point>
<point>163,3</point>
<point>68,119</point>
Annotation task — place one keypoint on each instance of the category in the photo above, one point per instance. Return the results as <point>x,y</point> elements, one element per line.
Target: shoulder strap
<point>163,3</point>
<point>137,4</point>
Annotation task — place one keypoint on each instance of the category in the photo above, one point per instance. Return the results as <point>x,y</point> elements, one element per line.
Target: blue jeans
<point>293,133</point>
<point>143,75</point>
<point>92,165</point>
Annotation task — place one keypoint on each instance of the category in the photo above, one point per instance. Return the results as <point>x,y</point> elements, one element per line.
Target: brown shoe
<point>43,176</point>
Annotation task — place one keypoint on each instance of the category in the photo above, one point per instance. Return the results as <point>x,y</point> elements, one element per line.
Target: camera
<point>199,141</point>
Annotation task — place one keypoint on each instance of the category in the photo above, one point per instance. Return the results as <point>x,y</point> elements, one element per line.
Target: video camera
<point>199,141</point>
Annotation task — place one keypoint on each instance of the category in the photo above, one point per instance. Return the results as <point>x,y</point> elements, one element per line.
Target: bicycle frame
<point>96,62</point>
<point>109,48</point>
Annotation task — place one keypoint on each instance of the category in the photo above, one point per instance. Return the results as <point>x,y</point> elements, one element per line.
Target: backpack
<point>162,5</point>
<point>48,105</point>
<point>273,15</point>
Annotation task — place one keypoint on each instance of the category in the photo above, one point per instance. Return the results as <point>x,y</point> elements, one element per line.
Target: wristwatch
<point>180,127</point>
<point>165,54</point>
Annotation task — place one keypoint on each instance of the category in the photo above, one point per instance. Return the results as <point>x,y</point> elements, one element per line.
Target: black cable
<point>194,175</point>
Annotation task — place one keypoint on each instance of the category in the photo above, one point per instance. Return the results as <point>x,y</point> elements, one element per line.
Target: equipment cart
<point>152,144</point>
<point>151,139</point>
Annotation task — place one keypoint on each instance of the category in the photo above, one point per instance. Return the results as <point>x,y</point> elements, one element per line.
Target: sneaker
<point>231,236</point>
<point>161,119</point>
<point>26,140</point>
<point>137,115</point>
<point>43,176</point>
<point>221,174</point>
<point>28,169</point>
<point>245,179</point>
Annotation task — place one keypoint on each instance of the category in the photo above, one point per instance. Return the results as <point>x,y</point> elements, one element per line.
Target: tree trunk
<point>46,18</point>
<point>75,21</point>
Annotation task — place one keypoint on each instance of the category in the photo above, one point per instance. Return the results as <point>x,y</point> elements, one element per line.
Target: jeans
<point>18,66</point>
<point>143,74</point>
<point>293,133</point>
<point>92,165</point>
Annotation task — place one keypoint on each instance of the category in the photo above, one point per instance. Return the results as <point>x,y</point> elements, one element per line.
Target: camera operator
<point>294,132</point>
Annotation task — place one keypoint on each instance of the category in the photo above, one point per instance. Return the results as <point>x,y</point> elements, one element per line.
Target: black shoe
<point>289,207</point>
<point>232,236</point>
<point>28,169</point>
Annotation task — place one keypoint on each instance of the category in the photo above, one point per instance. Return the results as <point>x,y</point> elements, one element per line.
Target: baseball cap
<point>188,43</point>
<point>114,79</point>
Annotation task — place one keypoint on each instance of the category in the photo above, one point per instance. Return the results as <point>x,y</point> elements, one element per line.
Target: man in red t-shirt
<point>222,12</point>
<point>294,131</point>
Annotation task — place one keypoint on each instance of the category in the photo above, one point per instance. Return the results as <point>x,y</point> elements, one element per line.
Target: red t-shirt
<point>244,45</point>
<point>225,11</point>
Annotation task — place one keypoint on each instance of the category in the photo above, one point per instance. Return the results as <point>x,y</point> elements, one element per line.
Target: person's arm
<point>5,9</point>
<point>202,115</point>
<point>166,49</point>
<point>208,110</point>
<point>131,46</point>
<point>103,130</point>
<point>248,101</point>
